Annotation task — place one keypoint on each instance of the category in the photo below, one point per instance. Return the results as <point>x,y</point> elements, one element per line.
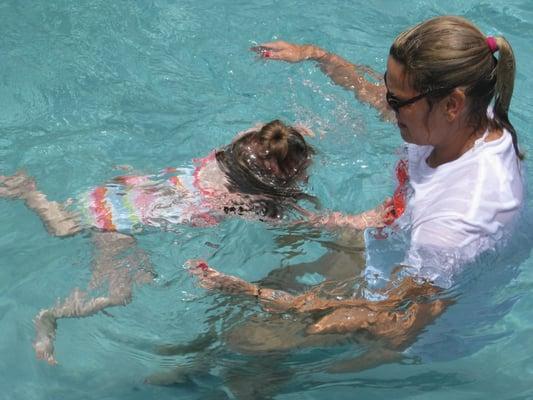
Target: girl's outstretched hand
<point>304,130</point>
<point>378,217</point>
<point>284,51</point>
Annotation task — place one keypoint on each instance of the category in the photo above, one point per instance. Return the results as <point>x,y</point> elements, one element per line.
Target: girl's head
<point>271,161</point>
<point>447,60</point>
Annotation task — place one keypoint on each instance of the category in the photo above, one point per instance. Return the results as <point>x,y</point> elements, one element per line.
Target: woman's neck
<point>458,144</point>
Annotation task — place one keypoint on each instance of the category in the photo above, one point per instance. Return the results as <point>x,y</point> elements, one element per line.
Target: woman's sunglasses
<point>395,103</point>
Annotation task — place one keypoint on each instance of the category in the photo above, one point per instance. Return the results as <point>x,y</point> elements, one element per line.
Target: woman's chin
<point>404,133</point>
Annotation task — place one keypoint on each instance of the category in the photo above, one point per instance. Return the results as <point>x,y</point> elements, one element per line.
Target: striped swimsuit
<point>130,203</point>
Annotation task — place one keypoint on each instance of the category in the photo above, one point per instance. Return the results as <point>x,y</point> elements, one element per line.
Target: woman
<point>460,179</point>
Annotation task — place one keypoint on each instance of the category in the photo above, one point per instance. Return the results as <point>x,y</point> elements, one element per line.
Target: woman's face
<point>418,122</point>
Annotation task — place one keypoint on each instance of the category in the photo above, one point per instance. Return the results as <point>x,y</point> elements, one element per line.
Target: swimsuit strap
<point>399,197</point>
<point>201,164</point>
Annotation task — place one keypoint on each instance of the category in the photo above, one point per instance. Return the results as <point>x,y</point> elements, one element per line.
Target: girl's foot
<point>45,326</point>
<point>16,186</point>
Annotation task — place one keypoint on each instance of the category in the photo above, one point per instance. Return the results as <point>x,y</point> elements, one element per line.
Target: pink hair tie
<point>491,42</point>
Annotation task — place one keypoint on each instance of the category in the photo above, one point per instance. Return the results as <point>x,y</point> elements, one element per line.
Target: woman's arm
<point>409,307</point>
<point>396,321</point>
<point>343,73</point>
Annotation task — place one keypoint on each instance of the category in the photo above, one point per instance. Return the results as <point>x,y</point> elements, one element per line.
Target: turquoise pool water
<point>89,86</point>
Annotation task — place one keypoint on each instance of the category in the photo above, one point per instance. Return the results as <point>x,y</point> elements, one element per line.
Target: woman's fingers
<point>269,50</point>
<point>194,262</point>
<point>208,278</point>
<point>276,46</point>
<point>279,50</point>
<point>198,267</point>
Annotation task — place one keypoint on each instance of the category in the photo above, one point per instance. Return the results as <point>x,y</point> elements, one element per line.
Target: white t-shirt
<point>462,208</point>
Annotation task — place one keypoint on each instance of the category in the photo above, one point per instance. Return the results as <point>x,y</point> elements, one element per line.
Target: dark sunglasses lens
<point>393,102</point>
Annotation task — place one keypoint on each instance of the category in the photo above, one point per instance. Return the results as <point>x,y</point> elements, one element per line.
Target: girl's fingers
<point>304,130</point>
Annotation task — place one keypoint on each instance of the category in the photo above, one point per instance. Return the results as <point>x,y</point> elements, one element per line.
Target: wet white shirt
<point>462,208</point>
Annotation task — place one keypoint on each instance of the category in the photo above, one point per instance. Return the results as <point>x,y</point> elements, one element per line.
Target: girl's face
<point>418,122</point>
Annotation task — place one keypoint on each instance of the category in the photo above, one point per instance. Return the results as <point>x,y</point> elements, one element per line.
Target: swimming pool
<point>88,87</point>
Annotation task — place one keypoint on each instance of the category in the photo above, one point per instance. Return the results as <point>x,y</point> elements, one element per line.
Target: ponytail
<point>505,75</point>
<point>274,137</point>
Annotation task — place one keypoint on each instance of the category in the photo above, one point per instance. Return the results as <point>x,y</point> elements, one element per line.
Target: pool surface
<point>87,88</point>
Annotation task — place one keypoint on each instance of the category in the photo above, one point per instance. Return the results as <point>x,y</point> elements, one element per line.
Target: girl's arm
<point>378,217</point>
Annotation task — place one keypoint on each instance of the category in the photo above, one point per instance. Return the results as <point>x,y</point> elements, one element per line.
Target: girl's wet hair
<point>449,52</point>
<point>268,164</point>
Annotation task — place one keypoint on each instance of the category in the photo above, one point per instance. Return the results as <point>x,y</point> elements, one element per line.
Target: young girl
<point>257,176</point>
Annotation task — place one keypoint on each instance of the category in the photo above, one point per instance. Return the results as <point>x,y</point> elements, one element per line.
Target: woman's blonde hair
<point>449,52</point>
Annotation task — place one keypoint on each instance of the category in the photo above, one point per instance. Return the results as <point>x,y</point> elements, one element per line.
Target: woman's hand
<point>288,51</point>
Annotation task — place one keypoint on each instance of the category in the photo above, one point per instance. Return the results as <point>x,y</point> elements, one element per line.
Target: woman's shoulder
<point>497,158</point>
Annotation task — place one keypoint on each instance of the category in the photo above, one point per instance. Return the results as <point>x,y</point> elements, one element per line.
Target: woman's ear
<point>455,103</point>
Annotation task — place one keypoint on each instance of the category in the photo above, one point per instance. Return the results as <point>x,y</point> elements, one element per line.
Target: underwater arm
<point>409,307</point>
<point>270,299</point>
<point>375,218</point>
<point>397,320</point>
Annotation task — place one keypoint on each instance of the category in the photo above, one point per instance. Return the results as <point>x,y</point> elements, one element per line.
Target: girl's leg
<point>111,264</point>
<point>76,305</point>
<point>57,220</point>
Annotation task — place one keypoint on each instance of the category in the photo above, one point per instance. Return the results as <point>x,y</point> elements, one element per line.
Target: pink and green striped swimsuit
<point>130,203</point>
